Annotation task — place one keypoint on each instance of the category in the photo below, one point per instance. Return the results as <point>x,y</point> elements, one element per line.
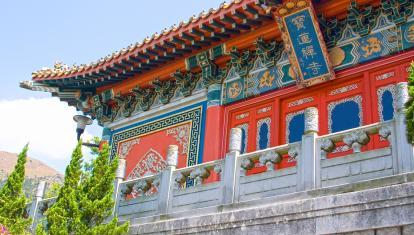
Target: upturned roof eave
<point>149,45</point>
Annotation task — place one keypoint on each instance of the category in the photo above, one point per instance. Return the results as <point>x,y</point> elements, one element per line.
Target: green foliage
<point>63,216</point>
<point>410,105</point>
<point>95,197</point>
<point>95,150</point>
<point>13,200</point>
<point>85,200</point>
<point>53,190</point>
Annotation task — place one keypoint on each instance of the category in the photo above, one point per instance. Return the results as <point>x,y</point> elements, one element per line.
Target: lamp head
<point>82,121</point>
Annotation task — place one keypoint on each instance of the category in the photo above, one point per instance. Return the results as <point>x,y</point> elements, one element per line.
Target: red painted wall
<point>159,142</point>
<point>365,81</point>
<point>213,133</point>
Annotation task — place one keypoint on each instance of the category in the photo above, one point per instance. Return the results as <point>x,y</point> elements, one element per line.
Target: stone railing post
<point>231,173</point>
<point>308,163</point>
<point>40,191</point>
<point>404,151</point>
<point>166,187</point>
<point>119,178</point>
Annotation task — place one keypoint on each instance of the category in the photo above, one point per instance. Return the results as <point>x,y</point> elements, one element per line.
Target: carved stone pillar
<point>166,185</point>
<point>231,172</point>
<point>120,171</point>
<point>404,149</point>
<point>40,191</point>
<point>311,120</point>
<point>402,95</point>
<point>119,178</point>
<point>235,140</point>
<point>172,156</point>
<point>308,163</point>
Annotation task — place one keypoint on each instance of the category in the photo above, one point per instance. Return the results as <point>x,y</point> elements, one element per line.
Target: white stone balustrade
<point>177,190</point>
<point>268,157</point>
<point>354,138</point>
<point>197,173</point>
<point>139,187</point>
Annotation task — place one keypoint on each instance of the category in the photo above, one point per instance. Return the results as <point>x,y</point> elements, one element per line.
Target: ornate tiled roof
<point>197,32</point>
<point>206,31</point>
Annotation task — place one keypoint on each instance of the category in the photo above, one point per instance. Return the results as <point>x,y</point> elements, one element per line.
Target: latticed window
<point>263,134</point>
<point>345,114</point>
<point>386,102</point>
<point>387,106</point>
<point>295,126</point>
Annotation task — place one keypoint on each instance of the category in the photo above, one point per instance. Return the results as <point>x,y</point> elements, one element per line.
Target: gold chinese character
<point>314,66</point>
<point>266,80</point>
<point>304,38</point>
<point>372,45</point>
<point>299,21</point>
<point>308,51</point>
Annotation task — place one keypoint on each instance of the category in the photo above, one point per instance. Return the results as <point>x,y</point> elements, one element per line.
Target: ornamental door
<point>293,116</point>
<point>257,125</point>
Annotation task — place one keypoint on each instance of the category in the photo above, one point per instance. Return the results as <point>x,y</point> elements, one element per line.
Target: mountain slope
<point>35,171</point>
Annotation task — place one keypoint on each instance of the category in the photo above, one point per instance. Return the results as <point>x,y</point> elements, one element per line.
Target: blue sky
<point>35,34</point>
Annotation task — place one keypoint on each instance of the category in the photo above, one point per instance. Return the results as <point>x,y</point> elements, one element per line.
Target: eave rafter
<point>199,34</point>
<point>209,28</point>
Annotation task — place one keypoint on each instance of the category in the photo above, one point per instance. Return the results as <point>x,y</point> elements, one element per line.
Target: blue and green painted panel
<point>234,90</point>
<point>407,33</point>
<point>258,81</point>
<point>386,39</point>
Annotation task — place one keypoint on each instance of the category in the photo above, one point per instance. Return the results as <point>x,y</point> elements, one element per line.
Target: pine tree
<point>53,190</point>
<point>95,197</point>
<point>63,216</point>
<point>13,200</point>
<point>85,199</point>
<point>410,105</point>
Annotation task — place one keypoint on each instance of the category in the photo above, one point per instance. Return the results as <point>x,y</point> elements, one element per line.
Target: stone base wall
<point>380,206</point>
<point>399,230</point>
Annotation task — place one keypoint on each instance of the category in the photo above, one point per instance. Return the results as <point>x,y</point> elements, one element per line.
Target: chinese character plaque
<point>304,43</point>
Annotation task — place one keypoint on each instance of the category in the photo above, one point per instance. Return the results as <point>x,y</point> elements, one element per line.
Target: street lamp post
<point>82,121</point>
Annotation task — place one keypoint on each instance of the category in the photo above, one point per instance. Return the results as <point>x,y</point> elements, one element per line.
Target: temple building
<point>257,100</point>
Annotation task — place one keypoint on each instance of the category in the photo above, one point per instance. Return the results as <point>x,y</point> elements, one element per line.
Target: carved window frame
<point>260,122</point>
<point>288,119</point>
<point>331,106</point>
<point>380,93</point>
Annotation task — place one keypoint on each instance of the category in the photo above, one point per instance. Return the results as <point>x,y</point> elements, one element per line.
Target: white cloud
<point>45,123</point>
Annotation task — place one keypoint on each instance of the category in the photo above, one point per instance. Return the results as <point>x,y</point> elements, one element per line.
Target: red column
<point>213,133</point>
